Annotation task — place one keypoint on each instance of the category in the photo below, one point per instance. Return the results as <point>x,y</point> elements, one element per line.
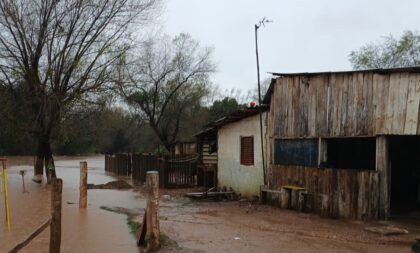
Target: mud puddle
<point>90,230</point>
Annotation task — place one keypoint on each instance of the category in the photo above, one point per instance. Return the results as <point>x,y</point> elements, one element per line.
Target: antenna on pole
<point>262,22</point>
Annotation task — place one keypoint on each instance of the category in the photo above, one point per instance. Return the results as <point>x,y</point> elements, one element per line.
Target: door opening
<point>405,175</point>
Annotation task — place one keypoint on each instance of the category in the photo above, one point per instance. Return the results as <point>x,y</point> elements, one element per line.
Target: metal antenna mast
<point>262,22</point>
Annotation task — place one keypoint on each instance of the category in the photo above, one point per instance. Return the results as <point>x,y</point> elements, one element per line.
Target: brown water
<point>194,226</point>
<point>90,230</point>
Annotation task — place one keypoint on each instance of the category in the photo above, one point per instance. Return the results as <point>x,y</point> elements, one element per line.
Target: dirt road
<point>226,227</point>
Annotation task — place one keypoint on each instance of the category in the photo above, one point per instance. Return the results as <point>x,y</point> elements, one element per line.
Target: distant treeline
<point>106,129</point>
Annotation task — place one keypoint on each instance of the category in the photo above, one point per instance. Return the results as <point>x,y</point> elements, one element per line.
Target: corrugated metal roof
<point>415,69</point>
<point>232,117</point>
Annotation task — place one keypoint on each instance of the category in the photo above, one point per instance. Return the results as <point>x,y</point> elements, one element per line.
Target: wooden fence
<point>142,163</point>
<point>182,172</point>
<point>339,193</point>
<point>173,171</point>
<point>119,164</point>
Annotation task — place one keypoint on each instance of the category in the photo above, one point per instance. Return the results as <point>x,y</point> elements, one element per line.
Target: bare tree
<point>163,79</point>
<point>59,53</point>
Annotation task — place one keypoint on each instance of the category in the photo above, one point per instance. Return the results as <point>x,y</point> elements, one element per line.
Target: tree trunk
<point>44,156</point>
<point>39,163</point>
<point>49,162</point>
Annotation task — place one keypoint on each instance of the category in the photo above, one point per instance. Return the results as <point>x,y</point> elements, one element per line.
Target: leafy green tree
<point>221,108</point>
<point>389,53</point>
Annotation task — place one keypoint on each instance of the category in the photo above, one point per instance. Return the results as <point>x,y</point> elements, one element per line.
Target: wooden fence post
<point>55,229</point>
<point>152,211</point>
<point>83,185</point>
<point>384,172</point>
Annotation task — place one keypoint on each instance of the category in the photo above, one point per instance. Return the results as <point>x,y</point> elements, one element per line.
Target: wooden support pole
<point>322,150</point>
<point>55,229</point>
<point>6,191</point>
<point>83,185</point>
<point>152,211</point>
<point>384,172</point>
<point>28,239</point>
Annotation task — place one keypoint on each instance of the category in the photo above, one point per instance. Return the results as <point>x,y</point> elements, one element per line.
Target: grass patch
<point>133,224</point>
<point>163,238</point>
<point>109,209</point>
<point>131,218</point>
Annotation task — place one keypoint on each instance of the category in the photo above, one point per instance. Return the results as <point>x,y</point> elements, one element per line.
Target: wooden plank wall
<point>345,104</point>
<point>348,193</point>
<point>208,158</point>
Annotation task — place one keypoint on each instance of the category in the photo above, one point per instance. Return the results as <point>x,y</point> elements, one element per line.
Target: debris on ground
<point>251,204</point>
<point>416,246</point>
<point>166,197</point>
<point>113,185</point>
<point>37,179</point>
<point>211,194</point>
<point>387,230</point>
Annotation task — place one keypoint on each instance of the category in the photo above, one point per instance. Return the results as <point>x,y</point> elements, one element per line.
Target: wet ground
<point>190,226</point>
<point>90,230</point>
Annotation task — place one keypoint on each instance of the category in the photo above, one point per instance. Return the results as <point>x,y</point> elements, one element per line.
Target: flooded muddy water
<point>89,230</point>
<point>192,227</point>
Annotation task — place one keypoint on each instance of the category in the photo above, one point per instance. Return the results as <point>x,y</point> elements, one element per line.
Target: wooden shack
<point>183,148</point>
<point>207,156</point>
<point>348,141</point>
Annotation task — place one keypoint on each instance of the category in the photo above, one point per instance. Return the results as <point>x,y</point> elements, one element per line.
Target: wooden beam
<point>28,239</point>
<point>322,150</point>
<point>141,233</point>
<point>83,185</point>
<point>384,171</point>
<point>152,211</point>
<point>55,232</point>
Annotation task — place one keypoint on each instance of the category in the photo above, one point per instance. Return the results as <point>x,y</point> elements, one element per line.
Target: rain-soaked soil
<point>187,226</point>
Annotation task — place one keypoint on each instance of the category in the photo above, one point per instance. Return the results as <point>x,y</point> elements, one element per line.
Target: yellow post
<point>6,194</point>
<point>1,182</point>
<point>6,191</point>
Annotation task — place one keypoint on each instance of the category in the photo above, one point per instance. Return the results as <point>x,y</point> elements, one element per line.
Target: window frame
<point>250,161</point>
<point>315,164</point>
<point>326,162</point>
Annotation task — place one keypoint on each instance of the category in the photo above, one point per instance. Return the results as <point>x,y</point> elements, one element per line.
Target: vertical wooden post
<point>384,173</point>
<point>152,211</point>
<point>83,185</point>
<point>106,162</point>
<point>322,150</point>
<point>55,232</point>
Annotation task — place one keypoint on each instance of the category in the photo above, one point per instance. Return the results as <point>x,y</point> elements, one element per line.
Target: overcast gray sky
<point>307,35</point>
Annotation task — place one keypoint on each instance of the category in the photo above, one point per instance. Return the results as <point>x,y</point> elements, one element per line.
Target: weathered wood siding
<point>345,104</point>
<point>207,157</point>
<point>347,193</point>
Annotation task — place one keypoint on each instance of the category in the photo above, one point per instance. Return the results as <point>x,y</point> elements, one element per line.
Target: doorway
<point>404,155</point>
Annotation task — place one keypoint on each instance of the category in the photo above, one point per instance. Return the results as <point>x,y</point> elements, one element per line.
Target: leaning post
<point>152,211</point>
<point>83,185</point>
<point>55,228</point>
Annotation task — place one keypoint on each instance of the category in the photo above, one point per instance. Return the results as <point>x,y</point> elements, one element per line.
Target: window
<point>351,153</point>
<point>247,150</point>
<point>302,152</point>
